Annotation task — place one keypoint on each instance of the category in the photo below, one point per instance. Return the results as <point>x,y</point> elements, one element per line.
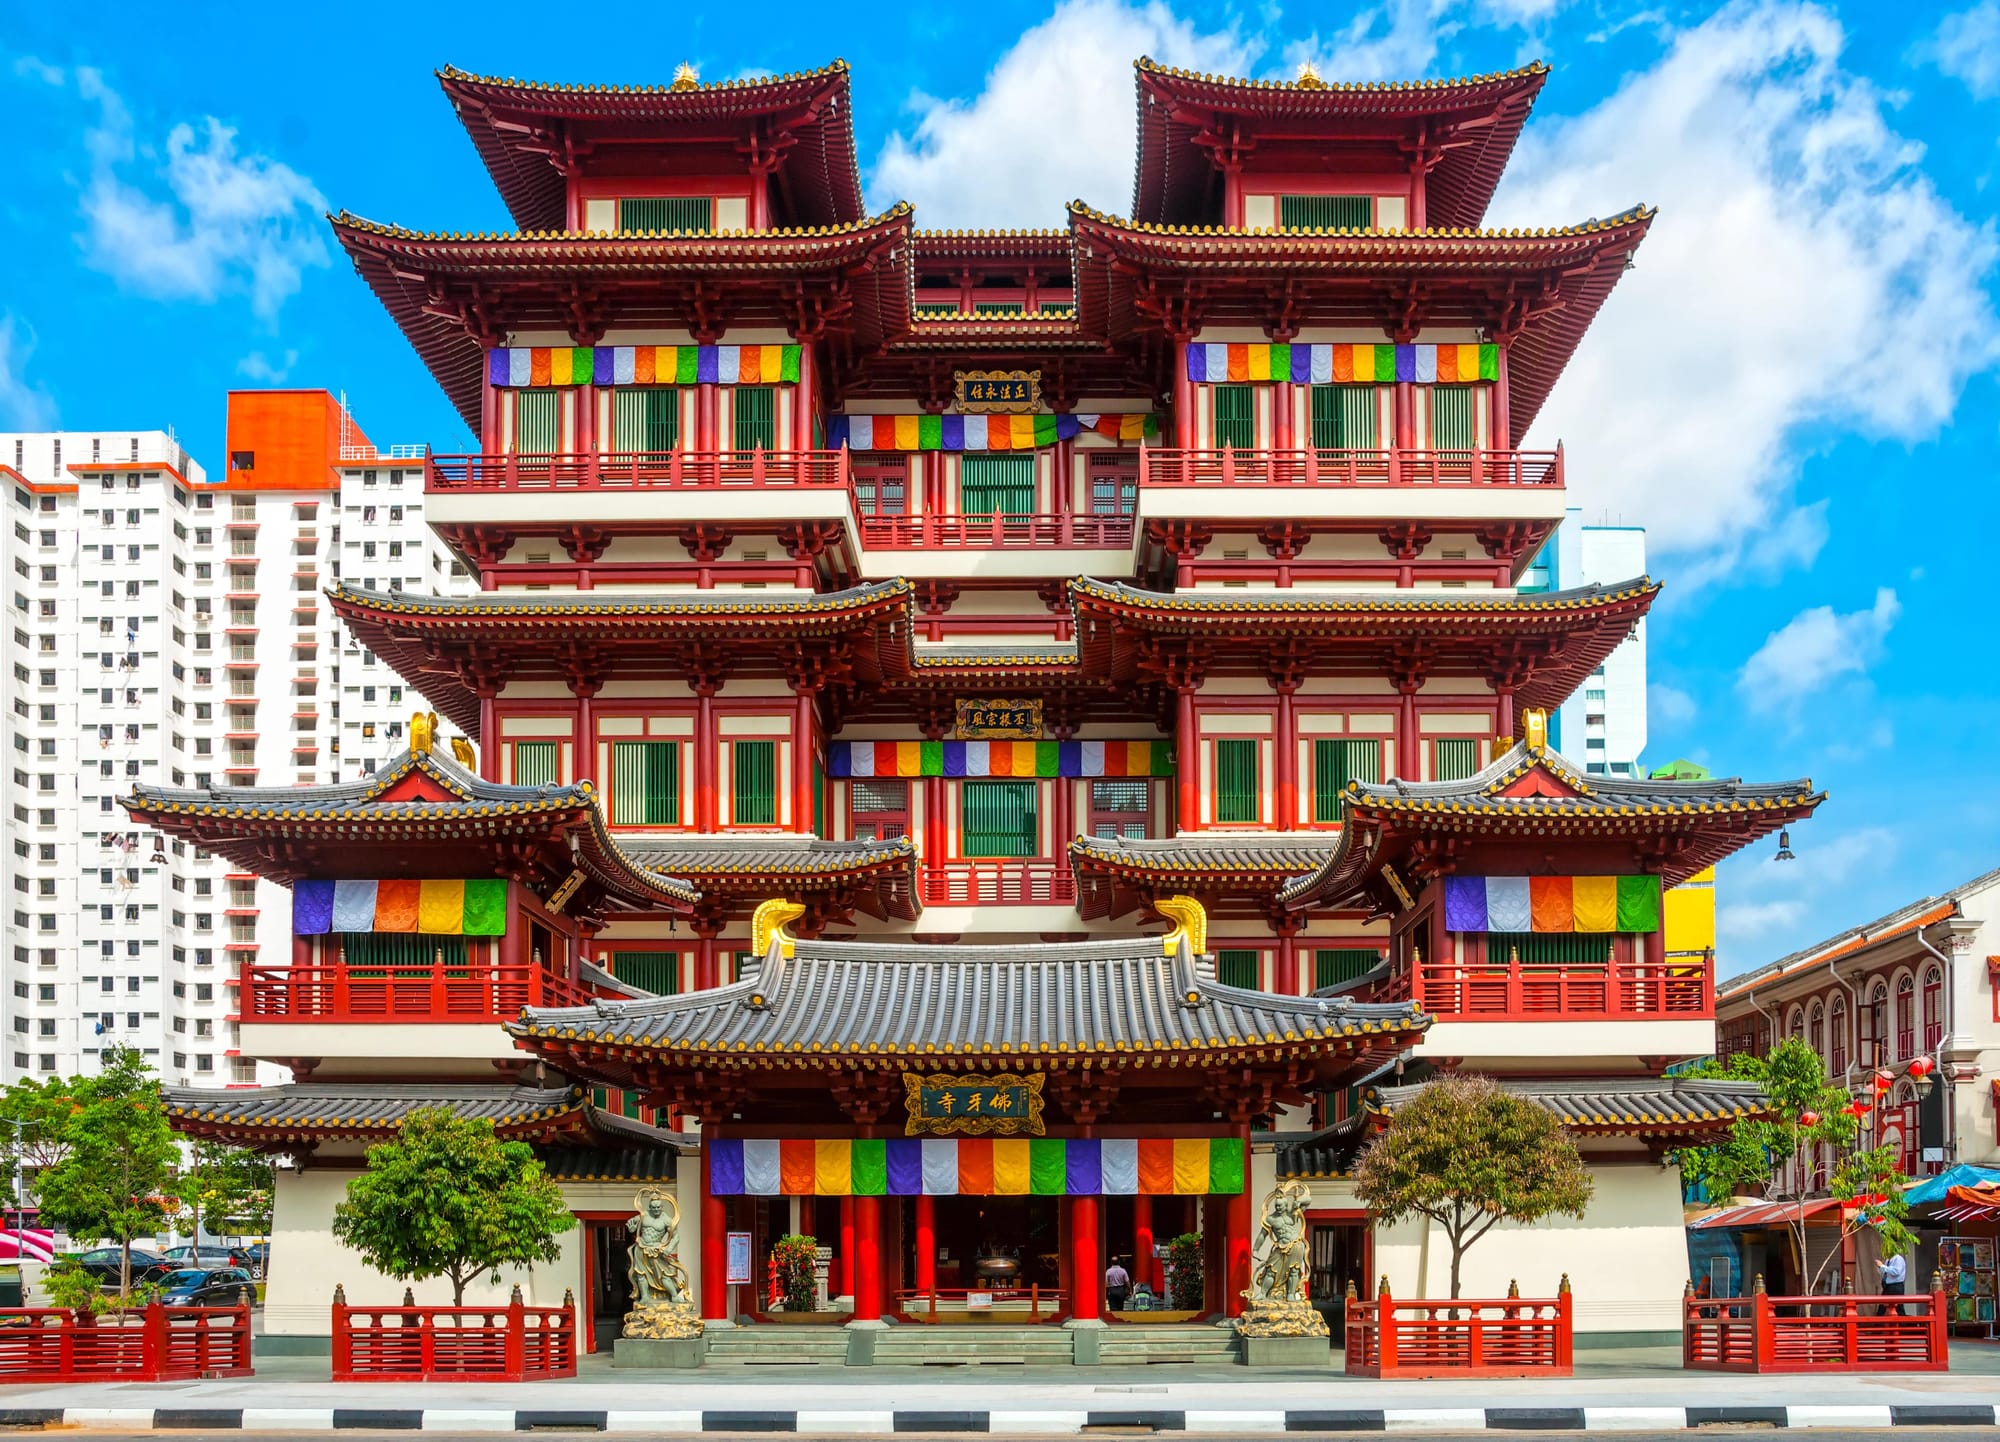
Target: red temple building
<point>880,631</point>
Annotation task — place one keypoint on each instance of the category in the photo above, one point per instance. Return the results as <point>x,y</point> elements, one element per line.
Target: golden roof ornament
<point>423,731</point>
<point>685,77</point>
<point>1535,729</point>
<point>462,750</point>
<point>1309,77</point>
<point>1190,920</point>
<point>767,923</point>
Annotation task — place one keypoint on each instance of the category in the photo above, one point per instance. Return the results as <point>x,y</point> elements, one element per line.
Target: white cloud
<point>1769,908</point>
<point>1670,705</point>
<point>261,368</point>
<point>1054,122</point>
<point>1814,648</point>
<point>24,406</point>
<point>1793,220</point>
<point>1966,46</point>
<point>199,221</point>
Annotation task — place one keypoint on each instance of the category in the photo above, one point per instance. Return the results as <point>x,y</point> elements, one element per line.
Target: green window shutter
<point>1345,418</point>
<point>933,309</point>
<point>997,819</point>
<point>666,213</point>
<point>535,763</point>
<point>1335,763</point>
<point>1238,797</point>
<point>1548,948</point>
<point>656,971</point>
<point>1235,418</point>
<point>645,418</point>
<point>999,307</point>
<point>537,422</point>
<point>819,799</point>
<point>996,485</point>
<point>1456,760</point>
<point>753,776</point>
<point>1237,968</point>
<point>1334,965</point>
<point>645,783</point>
<point>755,409</point>
<point>1326,212</point>
<point>400,950</point>
<point>1451,418</point>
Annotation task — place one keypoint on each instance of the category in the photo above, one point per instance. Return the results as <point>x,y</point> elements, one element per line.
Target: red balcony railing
<point>451,992</point>
<point>637,471</point>
<point>1512,1337</point>
<point>1527,991</point>
<point>994,532</point>
<point>1395,466</point>
<point>1762,1333</point>
<point>514,1343</point>
<point>1002,883</point>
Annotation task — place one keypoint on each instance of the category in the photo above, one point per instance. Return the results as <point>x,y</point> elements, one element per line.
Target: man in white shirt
<point>1894,1272</point>
<point>1117,1285</point>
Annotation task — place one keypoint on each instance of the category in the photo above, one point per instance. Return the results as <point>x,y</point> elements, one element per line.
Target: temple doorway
<point>1339,1258</point>
<point>999,1253</point>
<point>608,1287</point>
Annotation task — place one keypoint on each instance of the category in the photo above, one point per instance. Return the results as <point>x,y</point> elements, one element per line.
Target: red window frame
<point>887,822</point>
<point>1837,1032</point>
<point>1119,819</point>
<point>1906,1018</point>
<point>882,476</point>
<point>1933,993</point>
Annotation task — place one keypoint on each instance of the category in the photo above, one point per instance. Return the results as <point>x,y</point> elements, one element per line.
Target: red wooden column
<point>1409,745</point>
<point>705,755</point>
<point>1288,754</point>
<point>1500,429</point>
<point>714,1241</point>
<point>1184,428</point>
<point>935,826</point>
<point>1187,762</point>
<point>1086,1267</point>
<point>844,1259</point>
<point>802,757</point>
<point>488,739</point>
<point>1236,1239</point>
<point>803,399</point>
<point>583,742</point>
<point>1143,1264</point>
<point>867,1259</point>
<point>926,1243</point>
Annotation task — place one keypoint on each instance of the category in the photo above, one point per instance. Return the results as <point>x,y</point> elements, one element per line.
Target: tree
<point>33,1117</point>
<point>1806,1146</point>
<point>222,1183</point>
<point>1469,1155</point>
<point>1187,1285</point>
<point>113,1166</point>
<point>449,1199</point>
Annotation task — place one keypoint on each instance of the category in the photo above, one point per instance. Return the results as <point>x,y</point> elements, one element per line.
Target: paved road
<point>1706,1434</point>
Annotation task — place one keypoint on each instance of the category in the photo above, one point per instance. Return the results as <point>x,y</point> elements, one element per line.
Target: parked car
<point>208,1287</point>
<point>253,1257</point>
<point>103,1263</point>
<point>187,1255</point>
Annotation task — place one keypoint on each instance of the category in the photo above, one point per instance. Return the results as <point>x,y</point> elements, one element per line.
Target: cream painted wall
<point>1626,1259</point>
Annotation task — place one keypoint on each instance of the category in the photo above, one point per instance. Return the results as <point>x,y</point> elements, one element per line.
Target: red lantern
<point>1859,1107</point>
<point>1808,1119</point>
<point>1922,1067</point>
<point>1884,1079</point>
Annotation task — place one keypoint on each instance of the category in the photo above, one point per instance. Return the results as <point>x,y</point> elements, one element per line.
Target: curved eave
<point>512,122</point>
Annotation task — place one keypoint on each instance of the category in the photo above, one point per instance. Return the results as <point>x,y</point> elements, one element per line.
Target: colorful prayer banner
<point>1364,364</point>
<point>980,433</point>
<point>477,907</point>
<point>864,759</point>
<point>643,365</point>
<point>1552,904</point>
<point>975,1166</point>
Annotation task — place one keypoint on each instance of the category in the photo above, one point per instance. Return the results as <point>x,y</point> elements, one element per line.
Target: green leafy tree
<point>1785,1154</point>
<point>797,1258</point>
<point>1469,1155</point>
<point>449,1199</point>
<point>113,1168</point>
<point>33,1117</point>
<point>228,1185</point>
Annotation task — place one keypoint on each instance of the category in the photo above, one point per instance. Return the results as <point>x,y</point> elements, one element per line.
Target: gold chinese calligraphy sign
<point>1004,1104</point>
<point>996,392</point>
<point>994,720</point>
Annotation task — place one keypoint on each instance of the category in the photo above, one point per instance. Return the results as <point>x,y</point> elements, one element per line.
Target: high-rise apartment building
<point>168,628</point>
<point>1602,726</point>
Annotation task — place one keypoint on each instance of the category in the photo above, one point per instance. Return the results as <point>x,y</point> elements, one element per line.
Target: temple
<point>881,632</point>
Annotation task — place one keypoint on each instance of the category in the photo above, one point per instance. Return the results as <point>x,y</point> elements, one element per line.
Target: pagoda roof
<point>524,130</point>
<point>1128,1002</point>
<point>1529,797</point>
<point>420,815</point>
<point>1544,285</point>
<point>1658,1110</point>
<point>1548,641</point>
<point>454,294</point>
<point>450,641</point>
<point>1119,874</point>
<point>273,1118</point>
<point>878,877</point>
<point>1048,247</point>
<point>1473,122</point>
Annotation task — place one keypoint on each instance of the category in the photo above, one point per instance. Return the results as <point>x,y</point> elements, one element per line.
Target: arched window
<point>1836,1056</point>
<point>1906,1018</point>
<point>1899,1124</point>
<point>1933,1009</point>
<point>1797,1030</point>
<point>1874,1021</point>
<point>1816,1029</point>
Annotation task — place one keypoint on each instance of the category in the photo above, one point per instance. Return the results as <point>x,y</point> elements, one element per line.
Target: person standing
<point>1117,1285</point>
<point>1895,1272</point>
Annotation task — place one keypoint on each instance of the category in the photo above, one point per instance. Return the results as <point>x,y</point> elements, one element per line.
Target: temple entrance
<point>997,1258</point>
<point>1339,1258</point>
<point>609,1288</point>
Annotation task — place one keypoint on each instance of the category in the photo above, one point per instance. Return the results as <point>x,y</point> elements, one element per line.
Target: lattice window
<point>1337,761</point>
<point>645,783</point>
<point>1345,418</point>
<point>666,212</point>
<point>998,819</point>
<point>645,418</point>
<point>1326,212</point>
<point>1238,789</point>
<point>753,783</point>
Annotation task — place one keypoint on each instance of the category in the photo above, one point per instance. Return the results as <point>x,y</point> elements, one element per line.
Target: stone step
<point>777,1346</point>
<point>1139,1346</point>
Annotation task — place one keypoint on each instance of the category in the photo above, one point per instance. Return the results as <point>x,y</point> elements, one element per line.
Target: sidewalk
<point>1611,1391</point>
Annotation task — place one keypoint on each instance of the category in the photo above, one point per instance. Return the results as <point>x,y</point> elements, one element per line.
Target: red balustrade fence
<point>1763,1333</point>
<point>156,1343</point>
<point>409,1343</point>
<point>997,883</point>
<point>637,471</point>
<point>1512,1337</point>
<point>1528,991</point>
<point>334,991</point>
<point>1394,466</point>
<point>995,532</point>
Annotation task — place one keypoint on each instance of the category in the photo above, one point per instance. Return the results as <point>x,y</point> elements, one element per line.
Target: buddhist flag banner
<point>980,433</point>
<point>975,1166</point>
<point>864,760</point>
<point>643,365</point>
<point>477,907</point>
<point>1552,904</point>
<point>1364,364</point>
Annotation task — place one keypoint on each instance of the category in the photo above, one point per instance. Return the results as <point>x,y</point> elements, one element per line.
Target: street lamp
<point>1921,1072</point>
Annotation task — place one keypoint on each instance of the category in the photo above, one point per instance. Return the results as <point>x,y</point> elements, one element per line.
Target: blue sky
<point>1795,391</point>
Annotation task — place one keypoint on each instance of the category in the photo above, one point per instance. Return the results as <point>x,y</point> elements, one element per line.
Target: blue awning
<point>1931,1190</point>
